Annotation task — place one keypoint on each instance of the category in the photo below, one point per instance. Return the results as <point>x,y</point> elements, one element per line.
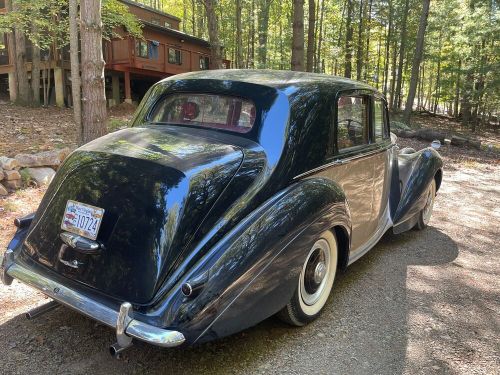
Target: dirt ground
<point>418,303</point>
<point>30,130</point>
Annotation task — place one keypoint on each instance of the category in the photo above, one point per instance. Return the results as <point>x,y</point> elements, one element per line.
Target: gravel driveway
<point>421,302</point>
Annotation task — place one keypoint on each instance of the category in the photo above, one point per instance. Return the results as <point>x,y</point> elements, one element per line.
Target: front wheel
<point>425,214</point>
<point>315,282</point>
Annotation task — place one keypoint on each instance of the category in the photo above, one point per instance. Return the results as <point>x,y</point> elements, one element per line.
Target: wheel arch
<point>439,178</point>
<point>343,245</point>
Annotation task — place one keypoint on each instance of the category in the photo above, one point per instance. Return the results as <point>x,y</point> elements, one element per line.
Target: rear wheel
<point>315,282</point>
<point>425,214</point>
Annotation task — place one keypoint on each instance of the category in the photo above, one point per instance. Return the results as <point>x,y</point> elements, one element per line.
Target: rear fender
<point>416,171</point>
<point>252,272</point>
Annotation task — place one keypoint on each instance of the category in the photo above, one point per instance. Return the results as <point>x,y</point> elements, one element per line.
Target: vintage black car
<point>235,195</point>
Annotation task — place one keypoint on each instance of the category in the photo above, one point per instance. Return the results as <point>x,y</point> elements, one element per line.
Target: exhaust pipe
<point>116,349</point>
<point>37,311</point>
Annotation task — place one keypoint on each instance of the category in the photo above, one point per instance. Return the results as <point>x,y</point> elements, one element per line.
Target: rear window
<point>207,111</point>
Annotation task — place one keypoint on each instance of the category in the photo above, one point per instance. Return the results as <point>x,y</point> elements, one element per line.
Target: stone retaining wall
<point>29,169</point>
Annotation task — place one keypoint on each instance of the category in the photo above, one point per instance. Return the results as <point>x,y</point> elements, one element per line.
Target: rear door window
<point>207,111</point>
<point>352,121</point>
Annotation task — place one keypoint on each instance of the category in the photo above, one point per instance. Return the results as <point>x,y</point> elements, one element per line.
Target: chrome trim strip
<point>340,162</point>
<point>95,310</point>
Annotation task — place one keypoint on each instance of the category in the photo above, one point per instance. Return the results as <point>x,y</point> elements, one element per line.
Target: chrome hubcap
<point>319,272</point>
<point>313,278</point>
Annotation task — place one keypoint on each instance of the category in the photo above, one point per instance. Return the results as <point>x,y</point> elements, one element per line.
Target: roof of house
<point>139,5</point>
<point>177,33</point>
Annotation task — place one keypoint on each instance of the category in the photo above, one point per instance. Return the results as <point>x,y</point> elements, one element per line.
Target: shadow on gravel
<point>363,329</point>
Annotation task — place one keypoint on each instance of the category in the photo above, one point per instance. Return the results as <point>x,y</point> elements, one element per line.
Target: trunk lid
<point>156,186</point>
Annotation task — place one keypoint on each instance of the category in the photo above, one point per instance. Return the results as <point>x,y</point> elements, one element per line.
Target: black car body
<point>205,228</point>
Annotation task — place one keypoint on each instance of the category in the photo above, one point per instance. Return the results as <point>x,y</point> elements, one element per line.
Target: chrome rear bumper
<point>123,320</point>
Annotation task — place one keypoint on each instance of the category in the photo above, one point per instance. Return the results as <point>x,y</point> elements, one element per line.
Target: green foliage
<point>115,15</point>
<point>46,22</point>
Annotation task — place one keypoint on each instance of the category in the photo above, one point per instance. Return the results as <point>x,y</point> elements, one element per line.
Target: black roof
<point>280,79</point>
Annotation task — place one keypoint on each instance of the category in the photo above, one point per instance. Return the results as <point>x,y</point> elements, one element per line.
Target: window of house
<point>2,4</point>
<point>141,48</point>
<point>204,62</point>
<point>380,123</point>
<point>352,124</point>
<point>174,56</point>
<point>168,24</point>
<point>156,21</point>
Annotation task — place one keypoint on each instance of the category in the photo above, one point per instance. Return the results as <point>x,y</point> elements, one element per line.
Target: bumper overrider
<point>123,320</point>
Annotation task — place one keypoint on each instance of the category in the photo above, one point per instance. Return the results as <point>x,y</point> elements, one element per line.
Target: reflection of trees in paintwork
<point>246,254</point>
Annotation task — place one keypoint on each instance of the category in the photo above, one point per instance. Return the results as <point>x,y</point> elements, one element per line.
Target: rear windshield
<point>207,111</point>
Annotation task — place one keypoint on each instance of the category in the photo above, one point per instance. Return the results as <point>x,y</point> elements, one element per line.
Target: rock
<point>42,176</point>
<point>12,185</point>
<point>12,175</point>
<point>3,191</point>
<point>1,174</point>
<point>8,163</point>
<point>43,159</point>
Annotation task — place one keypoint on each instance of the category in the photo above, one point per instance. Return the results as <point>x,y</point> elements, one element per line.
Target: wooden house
<point>132,65</point>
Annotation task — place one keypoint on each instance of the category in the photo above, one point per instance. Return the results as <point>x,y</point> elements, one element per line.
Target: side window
<point>379,121</point>
<point>352,125</point>
<point>174,56</point>
<point>141,48</point>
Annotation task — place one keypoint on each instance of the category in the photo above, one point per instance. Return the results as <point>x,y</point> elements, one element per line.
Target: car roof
<point>279,79</point>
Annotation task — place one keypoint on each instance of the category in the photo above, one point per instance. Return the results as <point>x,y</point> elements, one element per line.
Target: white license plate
<point>82,219</point>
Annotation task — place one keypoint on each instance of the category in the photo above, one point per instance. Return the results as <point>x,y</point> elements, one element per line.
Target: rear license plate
<point>82,219</point>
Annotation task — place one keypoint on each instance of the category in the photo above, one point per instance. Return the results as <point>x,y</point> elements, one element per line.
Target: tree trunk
<point>298,36</point>
<point>75,69</point>
<point>320,38</point>
<point>348,39</point>
<point>393,74</point>
<point>367,49</point>
<point>193,15</point>
<point>213,33</point>
<point>417,58</point>
<point>438,77</point>
<point>310,36</point>
<point>35,72</point>
<point>387,45</point>
<point>93,93</point>
<point>11,43</point>
<point>457,89</point>
<point>402,46</point>
<point>263,25</point>
<point>201,20</point>
<point>239,41</point>
<point>379,51</point>
<point>24,92</point>
<point>252,37</point>
<point>359,53</point>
